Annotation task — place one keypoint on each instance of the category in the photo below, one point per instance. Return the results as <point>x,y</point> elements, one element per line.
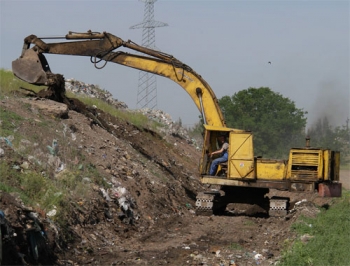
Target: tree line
<point>278,125</point>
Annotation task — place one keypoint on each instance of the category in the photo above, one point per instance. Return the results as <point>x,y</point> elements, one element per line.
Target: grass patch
<point>330,232</point>
<point>137,119</point>
<point>345,166</point>
<point>9,122</point>
<point>248,223</point>
<point>9,83</point>
<point>235,246</point>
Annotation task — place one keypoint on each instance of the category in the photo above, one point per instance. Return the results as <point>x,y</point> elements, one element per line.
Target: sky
<point>229,43</point>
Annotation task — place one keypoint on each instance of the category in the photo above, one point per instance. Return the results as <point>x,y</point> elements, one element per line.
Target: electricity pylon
<point>147,87</point>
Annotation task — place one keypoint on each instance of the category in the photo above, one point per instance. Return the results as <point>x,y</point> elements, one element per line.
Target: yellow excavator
<point>244,178</point>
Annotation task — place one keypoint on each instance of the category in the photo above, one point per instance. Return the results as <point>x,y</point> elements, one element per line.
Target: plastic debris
<point>301,201</point>
<point>52,213</point>
<point>258,258</point>
<point>105,194</point>
<point>61,168</point>
<point>25,165</point>
<point>54,148</point>
<point>8,142</point>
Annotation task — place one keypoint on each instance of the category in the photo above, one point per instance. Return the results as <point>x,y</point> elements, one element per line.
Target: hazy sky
<point>229,43</point>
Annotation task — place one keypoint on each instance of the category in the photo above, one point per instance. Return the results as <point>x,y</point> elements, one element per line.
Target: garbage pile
<point>93,91</point>
<point>172,128</point>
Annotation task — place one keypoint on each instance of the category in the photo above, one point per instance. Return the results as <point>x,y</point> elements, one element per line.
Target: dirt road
<point>345,178</point>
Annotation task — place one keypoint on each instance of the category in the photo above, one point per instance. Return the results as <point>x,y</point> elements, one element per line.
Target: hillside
<point>91,188</point>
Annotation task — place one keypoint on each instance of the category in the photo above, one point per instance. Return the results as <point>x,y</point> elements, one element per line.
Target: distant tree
<point>196,133</point>
<point>198,128</point>
<point>322,134</point>
<point>276,123</point>
<point>178,123</point>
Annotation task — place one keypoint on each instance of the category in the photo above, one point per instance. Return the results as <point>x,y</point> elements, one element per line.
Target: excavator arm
<point>33,67</point>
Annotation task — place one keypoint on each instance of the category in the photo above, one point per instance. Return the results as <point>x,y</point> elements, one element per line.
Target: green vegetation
<point>323,134</point>
<point>329,237</point>
<point>138,119</point>
<point>275,121</point>
<point>9,83</point>
<point>278,125</point>
<point>197,129</point>
<point>9,122</point>
<point>345,166</point>
<point>235,246</point>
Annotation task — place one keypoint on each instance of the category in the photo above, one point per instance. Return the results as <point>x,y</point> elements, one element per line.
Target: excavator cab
<point>240,164</point>
<point>31,67</point>
<point>211,144</point>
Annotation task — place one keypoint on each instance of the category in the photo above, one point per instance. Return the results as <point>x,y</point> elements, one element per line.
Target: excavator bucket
<point>31,67</point>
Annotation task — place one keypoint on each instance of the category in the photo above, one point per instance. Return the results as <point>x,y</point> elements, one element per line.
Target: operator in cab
<point>223,151</point>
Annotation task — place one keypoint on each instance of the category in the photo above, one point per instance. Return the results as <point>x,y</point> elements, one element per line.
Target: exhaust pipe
<point>307,145</point>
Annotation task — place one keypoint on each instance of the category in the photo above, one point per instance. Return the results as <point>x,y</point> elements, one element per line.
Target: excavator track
<point>294,197</point>
<point>207,203</point>
<point>278,206</point>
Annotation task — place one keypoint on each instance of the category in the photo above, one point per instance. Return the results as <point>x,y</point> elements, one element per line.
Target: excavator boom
<point>33,68</point>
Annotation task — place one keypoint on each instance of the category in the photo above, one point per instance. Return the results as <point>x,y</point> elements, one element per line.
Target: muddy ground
<point>144,213</point>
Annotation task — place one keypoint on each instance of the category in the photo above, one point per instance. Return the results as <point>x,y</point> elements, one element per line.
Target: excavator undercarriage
<point>215,201</point>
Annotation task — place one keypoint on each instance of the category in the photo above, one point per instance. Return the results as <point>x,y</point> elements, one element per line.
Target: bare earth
<point>345,178</point>
<point>160,176</point>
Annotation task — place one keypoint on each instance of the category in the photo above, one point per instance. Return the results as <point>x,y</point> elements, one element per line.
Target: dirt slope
<point>142,212</point>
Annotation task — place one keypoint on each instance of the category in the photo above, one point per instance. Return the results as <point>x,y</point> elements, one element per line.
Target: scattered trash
<point>305,238</point>
<point>61,168</point>
<point>52,213</point>
<point>301,201</point>
<point>53,149</point>
<point>65,128</point>
<point>7,140</point>
<point>105,194</point>
<point>86,180</point>
<point>25,165</point>
<point>93,91</point>
<point>258,258</point>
